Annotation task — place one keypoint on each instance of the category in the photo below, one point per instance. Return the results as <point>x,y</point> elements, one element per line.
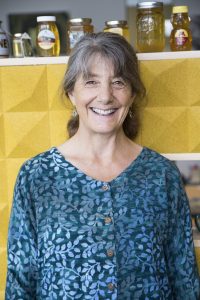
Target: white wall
<point>98,10</point>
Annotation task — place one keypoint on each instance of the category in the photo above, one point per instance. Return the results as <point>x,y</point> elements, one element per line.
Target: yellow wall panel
<point>26,133</point>
<point>2,137</point>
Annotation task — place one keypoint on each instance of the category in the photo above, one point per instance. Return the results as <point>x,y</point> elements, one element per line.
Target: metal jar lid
<point>46,19</point>
<point>78,21</point>
<point>116,23</point>
<point>180,9</point>
<point>143,5</point>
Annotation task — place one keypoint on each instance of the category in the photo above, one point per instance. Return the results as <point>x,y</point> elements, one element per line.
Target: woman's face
<point>102,100</point>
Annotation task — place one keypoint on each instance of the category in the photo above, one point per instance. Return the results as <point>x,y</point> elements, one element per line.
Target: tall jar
<point>48,40</point>
<point>181,35</point>
<point>4,44</point>
<point>118,26</point>
<point>76,28</point>
<point>150,27</point>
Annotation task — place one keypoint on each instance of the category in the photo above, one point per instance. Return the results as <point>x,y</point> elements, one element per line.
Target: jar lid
<point>179,9</point>
<point>76,21</point>
<point>18,35</point>
<point>142,5</point>
<point>116,22</point>
<point>46,19</point>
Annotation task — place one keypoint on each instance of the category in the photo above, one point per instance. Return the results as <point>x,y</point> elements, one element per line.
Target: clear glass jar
<point>119,26</point>
<point>150,27</point>
<point>181,36</point>
<point>22,45</point>
<point>76,28</point>
<point>48,41</point>
<point>4,44</point>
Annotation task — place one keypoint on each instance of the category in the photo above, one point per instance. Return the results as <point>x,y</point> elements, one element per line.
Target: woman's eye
<point>90,83</point>
<point>118,83</point>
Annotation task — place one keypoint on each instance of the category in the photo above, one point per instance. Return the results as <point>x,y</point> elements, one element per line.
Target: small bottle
<point>181,36</point>
<point>76,28</point>
<point>22,45</point>
<point>48,41</point>
<point>150,27</point>
<point>120,27</point>
<point>4,44</point>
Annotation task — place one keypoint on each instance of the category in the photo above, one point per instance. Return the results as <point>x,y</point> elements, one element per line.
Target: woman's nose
<point>105,93</point>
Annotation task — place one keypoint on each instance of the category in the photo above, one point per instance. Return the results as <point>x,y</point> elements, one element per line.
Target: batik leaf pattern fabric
<point>74,237</point>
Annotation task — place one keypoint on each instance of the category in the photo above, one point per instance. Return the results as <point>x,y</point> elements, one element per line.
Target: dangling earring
<point>74,113</point>
<point>130,113</point>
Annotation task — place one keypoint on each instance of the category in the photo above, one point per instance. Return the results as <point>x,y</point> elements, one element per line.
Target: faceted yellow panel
<point>166,82</point>
<point>26,133</point>
<point>3,183</point>
<point>3,259</point>
<point>58,126</point>
<point>2,136</point>
<point>55,75</point>
<point>1,100</point>
<point>194,129</point>
<point>165,129</point>
<point>193,82</point>
<point>24,88</point>
<point>150,69</point>
<point>4,217</point>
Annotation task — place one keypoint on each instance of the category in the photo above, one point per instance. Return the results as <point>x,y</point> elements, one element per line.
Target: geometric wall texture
<point>33,118</point>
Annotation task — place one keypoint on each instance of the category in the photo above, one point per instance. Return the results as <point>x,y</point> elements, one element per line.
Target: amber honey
<point>120,27</point>
<point>48,40</point>
<point>76,28</point>
<point>150,27</point>
<point>181,36</point>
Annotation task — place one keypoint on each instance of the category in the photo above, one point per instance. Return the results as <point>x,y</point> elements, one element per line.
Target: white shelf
<point>64,59</point>
<point>182,156</point>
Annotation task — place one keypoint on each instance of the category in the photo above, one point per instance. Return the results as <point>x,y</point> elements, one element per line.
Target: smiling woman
<point>101,217</point>
<point>123,63</point>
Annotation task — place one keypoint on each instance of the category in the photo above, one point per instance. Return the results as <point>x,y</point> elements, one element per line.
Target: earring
<point>130,113</point>
<point>74,113</point>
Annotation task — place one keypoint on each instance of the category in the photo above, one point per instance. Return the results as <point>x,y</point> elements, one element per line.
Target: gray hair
<point>116,49</point>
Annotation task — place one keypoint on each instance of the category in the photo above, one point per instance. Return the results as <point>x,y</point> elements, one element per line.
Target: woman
<point>101,217</point>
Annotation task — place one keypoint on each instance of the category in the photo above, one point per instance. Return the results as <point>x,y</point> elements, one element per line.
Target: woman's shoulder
<point>34,164</point>
<point>158,161</point>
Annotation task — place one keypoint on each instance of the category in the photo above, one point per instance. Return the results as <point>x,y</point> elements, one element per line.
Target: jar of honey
<point>120,27</point>
<point>150,27</point>
<point>181,36</point>
<point>76,28</point>
<point>48,40</point>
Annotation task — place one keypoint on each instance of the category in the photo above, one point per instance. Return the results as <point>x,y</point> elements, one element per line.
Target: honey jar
<point>76,28</point>
<point>120,27</point>
<point>150,27</point>
<point>48,41</point>
<point>181,35</point>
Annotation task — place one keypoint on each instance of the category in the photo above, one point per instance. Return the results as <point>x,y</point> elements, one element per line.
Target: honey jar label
<point>74,36</point>
<point>46,39</point>
<point>4,49</point>
<point>181,37</point>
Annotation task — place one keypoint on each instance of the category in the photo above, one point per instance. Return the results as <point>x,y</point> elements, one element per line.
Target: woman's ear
<point>71,97</point>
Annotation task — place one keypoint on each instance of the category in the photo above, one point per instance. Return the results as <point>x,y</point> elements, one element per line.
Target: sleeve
<point>180,255</point>
<point>22,246</point>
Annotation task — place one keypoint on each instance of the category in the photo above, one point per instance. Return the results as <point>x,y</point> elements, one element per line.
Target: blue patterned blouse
<point>73,237</point>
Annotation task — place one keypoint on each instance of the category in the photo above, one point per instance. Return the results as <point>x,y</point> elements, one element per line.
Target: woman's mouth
<point>103,112</point>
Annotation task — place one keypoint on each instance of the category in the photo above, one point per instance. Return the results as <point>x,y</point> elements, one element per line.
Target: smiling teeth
<point>103,112</point>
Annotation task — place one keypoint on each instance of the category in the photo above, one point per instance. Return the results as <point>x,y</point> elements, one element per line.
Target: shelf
<point>64,59</point>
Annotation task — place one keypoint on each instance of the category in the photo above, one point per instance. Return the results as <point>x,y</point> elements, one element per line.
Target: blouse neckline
<point>65,163</point>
